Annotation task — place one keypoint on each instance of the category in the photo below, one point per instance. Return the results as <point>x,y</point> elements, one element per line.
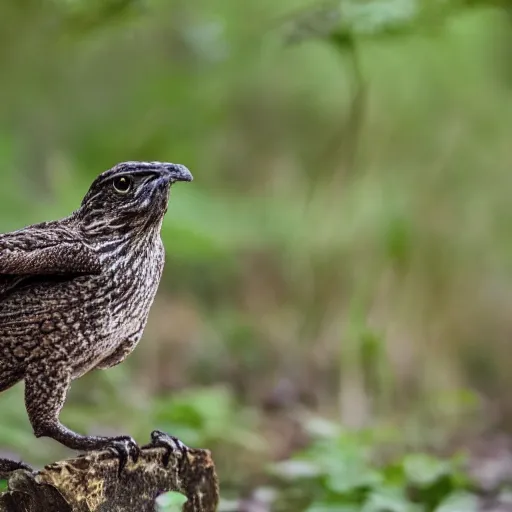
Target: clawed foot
<point>124,447</point>
<point>8,466</point>
<point>171,444</point>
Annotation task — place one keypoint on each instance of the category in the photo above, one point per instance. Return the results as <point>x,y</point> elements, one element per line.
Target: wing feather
<point>43,249</point>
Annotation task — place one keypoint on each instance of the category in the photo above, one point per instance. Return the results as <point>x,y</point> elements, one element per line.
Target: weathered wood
<point>92,483</point>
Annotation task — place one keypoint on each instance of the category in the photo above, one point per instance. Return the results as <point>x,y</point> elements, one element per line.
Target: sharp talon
<point>123,459</point>
<point>166,458</point>
<point>171,444</point>
<point>156,435</point>
<point>26,467</point>
<point>112,449</point>
<point>135,453</point>
<point>124,448</point>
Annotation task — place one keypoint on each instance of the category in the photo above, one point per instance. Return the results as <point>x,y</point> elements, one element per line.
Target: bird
<point>75,295</point>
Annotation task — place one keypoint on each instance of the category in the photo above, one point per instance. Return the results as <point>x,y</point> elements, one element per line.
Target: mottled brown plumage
<point>75,293</point>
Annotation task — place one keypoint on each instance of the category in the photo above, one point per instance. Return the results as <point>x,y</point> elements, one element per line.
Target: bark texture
<point>93,483</point>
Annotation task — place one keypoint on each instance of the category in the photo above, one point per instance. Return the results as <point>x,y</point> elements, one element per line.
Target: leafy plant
<point>171,502</point>
<point>342,472</point>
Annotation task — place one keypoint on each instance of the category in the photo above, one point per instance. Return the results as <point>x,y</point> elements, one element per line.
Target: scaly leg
<point>45,392</point>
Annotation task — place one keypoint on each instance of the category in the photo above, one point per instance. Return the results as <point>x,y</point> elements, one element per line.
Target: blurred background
<point>334,318</point>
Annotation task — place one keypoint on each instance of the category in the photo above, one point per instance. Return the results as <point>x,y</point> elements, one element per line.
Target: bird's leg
<point>45,393</point>
<point>8,466</point>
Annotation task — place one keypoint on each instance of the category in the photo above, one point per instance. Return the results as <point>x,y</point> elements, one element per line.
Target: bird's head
<point>131,195</point>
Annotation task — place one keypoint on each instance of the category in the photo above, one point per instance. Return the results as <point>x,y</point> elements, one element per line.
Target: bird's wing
<point>45,249</point>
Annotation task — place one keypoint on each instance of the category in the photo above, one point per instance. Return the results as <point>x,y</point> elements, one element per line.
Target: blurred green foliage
<point>340,472</point>
<point>344,248</point>
<point>171,502</point>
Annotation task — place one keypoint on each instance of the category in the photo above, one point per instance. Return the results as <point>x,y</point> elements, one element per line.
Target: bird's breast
<point>132,288</point>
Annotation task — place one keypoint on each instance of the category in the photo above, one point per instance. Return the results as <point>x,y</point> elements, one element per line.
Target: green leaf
<point>459,502</point>
<point>345,464</point>
<point>347,477</point>
<point>171,502</point>
<point>388,500</point>
<point>424,470</point>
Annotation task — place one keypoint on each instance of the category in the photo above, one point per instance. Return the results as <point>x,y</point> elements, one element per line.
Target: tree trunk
<point>92,483</point>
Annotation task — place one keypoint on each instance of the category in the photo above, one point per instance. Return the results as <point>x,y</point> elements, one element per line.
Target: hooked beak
<point>176,172</point>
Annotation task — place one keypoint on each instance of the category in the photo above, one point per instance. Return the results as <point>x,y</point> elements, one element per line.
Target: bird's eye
<point>123,184</point>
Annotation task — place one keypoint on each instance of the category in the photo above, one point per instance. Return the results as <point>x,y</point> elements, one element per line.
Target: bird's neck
<point>121,241</point>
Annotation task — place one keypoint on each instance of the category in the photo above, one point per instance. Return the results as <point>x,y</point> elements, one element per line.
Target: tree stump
<point>93,482</point>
